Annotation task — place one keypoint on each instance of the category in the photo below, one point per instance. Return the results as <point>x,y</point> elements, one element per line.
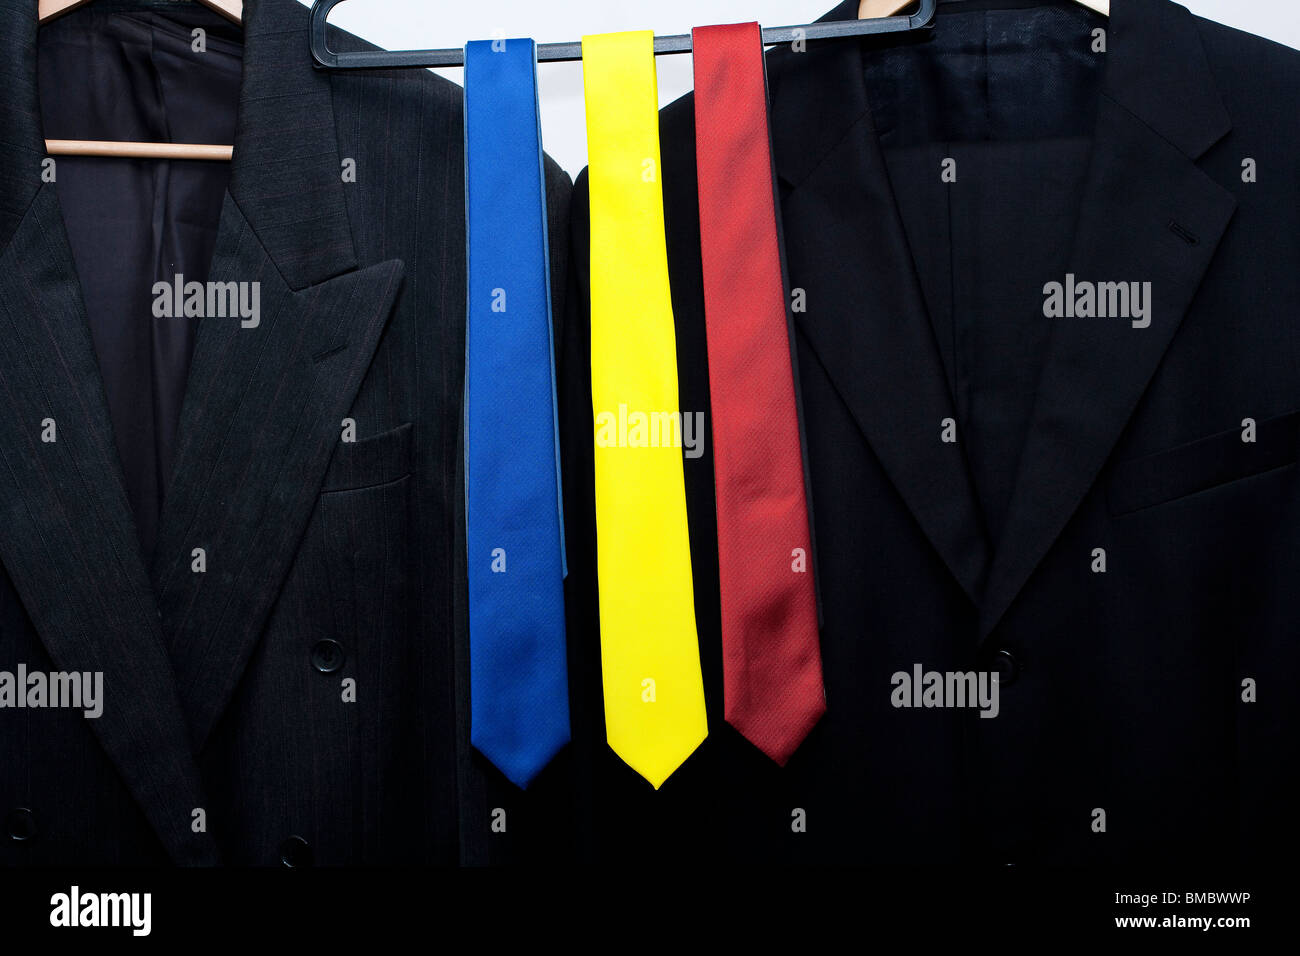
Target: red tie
<point>772,671</point>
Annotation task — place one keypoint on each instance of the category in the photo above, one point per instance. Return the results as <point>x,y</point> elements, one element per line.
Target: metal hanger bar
<point>554,52</point>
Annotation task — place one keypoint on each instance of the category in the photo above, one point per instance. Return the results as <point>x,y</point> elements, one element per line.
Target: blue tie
<point>519,688</point>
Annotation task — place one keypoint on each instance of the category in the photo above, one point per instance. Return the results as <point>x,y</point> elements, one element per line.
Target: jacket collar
<point>866,318</point>
<point>286,176</point>
<point>1159,110</point>
<point>1156,69</point>
<point>1150,214</point>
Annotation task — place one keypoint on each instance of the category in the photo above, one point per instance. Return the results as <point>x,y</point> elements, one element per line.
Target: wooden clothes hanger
<point>870,9</point>
<point>232,10</point>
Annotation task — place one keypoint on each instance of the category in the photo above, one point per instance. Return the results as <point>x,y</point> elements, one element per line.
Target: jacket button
<point>21,824</point>
<point>1006,667</point>
<point>295,853</point>
<point>328,656</point>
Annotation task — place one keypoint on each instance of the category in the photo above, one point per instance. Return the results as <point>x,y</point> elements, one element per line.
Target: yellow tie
<point>650,655</point>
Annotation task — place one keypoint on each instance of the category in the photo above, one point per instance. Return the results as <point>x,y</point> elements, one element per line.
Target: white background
<point>421,24</point>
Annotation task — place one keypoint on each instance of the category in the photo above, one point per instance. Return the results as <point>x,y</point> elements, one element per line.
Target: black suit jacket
<point>214,699</point>
<point>1122,691</point>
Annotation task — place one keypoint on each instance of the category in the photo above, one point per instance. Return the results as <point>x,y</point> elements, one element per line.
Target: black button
<point>1006,667</point>
<point>295,852</point>
<point>328,656</point>
<point>21,824</point>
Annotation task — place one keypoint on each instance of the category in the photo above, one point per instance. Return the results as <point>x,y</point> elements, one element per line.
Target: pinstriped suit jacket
<point>212,701</point>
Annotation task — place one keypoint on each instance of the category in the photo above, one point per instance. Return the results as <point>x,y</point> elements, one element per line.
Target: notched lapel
<point>1148,215</point>
<point>262,414</point>
<point>69,542</point>
<point>865,314</point>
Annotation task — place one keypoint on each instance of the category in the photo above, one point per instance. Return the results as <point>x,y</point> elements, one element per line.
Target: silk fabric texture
<point>518,669</point>
<point>653,690</point>
<point>772,671</point>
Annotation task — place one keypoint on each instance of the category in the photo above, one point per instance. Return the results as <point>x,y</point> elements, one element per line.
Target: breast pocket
<point>369,462</point>
<point>1202,465</point>
<point>362,520</point>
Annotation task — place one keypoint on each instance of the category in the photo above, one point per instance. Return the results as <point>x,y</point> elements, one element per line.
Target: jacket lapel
<point>1148,214</point>
<point>264,404</point>
<point>69,542</point>
<point>262,414</point>
<point>866,317</point>
<point>262,411</point>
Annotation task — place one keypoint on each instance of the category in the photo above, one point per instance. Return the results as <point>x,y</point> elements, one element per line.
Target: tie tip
<point>656,772</point>
<point>520,769</point>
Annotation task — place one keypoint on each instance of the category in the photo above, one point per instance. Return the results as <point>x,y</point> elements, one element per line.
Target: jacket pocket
<point>1203,464</point>
<point>368,462</point>
<point>362,516</point>
<point>362,593</point>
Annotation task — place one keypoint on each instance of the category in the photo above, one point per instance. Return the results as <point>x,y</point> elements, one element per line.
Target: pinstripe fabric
<point>287,166</point>
<point>216,701</point>
<point>69,544</point>
<point>22,146</point>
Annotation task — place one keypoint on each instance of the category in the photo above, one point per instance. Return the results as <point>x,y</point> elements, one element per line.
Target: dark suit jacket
<point>1122,690</point>
<point>218,694</point>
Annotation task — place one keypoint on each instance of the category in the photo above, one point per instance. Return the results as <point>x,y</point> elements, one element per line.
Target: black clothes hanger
<point>679,43</point>
<point>884,8</point>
